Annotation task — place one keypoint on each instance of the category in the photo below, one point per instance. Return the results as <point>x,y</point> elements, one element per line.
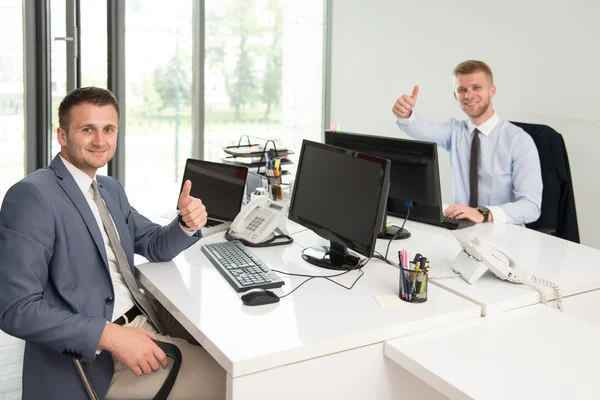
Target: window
<point>159,107</point>
<point>93,43</point>
<point>12,132</point>
<point>93,57</point>
<point>263,72</point>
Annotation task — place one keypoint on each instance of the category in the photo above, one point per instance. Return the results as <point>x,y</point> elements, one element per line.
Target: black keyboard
<point>242,269</point>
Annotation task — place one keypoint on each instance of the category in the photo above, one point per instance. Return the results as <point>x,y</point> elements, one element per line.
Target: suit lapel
<point>68,184</point>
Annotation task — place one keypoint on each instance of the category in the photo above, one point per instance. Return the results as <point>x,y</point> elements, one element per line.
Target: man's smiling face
<point>474,93</point>
<point>91,139</point>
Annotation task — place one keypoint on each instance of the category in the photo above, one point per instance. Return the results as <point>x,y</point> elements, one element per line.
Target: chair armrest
<point>171,350</point>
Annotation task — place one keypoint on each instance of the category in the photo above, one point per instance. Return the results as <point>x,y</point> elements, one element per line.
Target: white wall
<point>545,55</point>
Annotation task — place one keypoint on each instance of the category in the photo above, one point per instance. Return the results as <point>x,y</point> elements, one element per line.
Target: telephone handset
<point>258,220</point>
<point>478,255</point>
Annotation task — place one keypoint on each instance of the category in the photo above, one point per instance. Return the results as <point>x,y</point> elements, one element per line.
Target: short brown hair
<point>85,95</point>
<point>472,66</point>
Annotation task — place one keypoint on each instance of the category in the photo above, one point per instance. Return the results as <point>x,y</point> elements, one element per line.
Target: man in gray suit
<point>67,239</point>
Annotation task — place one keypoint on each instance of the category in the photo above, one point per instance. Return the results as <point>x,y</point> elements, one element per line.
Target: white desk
<point>290,225</point>
<point>574,267</point>
<point>584,306</point>
<point>320,342</point>
<point>532,353</point>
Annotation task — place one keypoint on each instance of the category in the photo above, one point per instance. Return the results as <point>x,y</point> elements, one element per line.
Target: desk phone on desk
<point>478,255</point>
<point>259,219</point>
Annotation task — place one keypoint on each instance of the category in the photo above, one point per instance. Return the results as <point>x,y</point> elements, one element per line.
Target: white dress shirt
<point>123,297</point>
<point>510,177</point>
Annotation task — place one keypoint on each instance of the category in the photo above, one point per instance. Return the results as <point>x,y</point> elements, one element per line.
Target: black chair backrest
<point>558,200</point>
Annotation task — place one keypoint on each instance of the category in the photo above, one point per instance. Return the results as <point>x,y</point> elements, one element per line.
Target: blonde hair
<point>472,66</point>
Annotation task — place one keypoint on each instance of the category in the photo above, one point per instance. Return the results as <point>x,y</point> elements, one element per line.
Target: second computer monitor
<point>414,175</point>
<point>340,194</point>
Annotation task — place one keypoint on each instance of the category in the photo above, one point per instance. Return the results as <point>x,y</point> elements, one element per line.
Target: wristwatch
<point>485,212</point>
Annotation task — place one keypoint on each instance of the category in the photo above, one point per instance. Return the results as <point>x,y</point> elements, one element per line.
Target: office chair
<point>171,350</point>
<point>558,215</point>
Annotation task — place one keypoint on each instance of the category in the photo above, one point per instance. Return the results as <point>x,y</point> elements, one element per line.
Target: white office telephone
<point>258,221</point>
<point>478,255</point>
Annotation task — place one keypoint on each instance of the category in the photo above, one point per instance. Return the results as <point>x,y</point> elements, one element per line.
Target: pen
<point>417,277</point>
<point>424,278</point>
<point>409,286</point>
<point>401,283</point>
<point>417,258</point>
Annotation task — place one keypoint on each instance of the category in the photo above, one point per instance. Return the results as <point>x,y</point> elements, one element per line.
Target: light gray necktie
<point>141,301</point>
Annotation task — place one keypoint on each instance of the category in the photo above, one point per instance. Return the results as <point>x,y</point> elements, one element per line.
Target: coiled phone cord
<point>535,283</point>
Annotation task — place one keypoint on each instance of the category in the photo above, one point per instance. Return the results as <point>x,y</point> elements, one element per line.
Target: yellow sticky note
<point>389,301</point>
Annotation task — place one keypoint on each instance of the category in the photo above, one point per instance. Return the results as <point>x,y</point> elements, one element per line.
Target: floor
<point>11,363</point>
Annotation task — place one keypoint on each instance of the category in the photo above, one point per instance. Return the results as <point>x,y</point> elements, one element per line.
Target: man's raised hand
<point>192,211</point>
<point>404,105</point>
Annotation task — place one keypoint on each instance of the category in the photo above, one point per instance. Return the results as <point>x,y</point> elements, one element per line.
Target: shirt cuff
<point>499,214</point>
<point>405,121</point>
<point>186,231</point>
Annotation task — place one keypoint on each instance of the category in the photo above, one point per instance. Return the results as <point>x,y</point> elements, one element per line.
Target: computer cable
<point>327,277</point>
<point>401,230</point>
<point>380,256</point>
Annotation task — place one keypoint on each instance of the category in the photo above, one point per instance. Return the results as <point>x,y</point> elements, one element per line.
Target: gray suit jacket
<point>55,286</point>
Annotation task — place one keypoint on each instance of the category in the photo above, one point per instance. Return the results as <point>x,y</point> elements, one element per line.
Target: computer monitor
<point>415,177</point>
<point>219,186</point>
<point>340,194</point>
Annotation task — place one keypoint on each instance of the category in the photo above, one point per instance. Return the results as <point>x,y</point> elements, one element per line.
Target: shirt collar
<point>487,127</point>
<point>81,178</point>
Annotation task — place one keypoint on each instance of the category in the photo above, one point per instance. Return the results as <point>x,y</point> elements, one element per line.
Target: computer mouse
<point>258,297</point>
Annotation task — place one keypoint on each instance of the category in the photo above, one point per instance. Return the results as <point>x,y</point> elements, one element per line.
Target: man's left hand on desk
<point>462,211</point>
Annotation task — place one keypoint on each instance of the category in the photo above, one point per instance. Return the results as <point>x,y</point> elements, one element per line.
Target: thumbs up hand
<point>404,105</point>
<point>191,210</point>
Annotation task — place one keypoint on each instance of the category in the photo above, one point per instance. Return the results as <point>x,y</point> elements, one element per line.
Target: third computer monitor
<point>414,176</point>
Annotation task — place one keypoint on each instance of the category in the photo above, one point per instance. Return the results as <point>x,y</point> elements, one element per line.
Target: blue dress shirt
<point>510,177</point>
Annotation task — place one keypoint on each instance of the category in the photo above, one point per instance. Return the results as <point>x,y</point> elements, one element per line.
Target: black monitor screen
<point>341,194</point>
<point>414,175</point>
<point>219,186</point>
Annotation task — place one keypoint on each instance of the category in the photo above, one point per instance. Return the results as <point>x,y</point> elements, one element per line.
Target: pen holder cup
<point>413,285</point>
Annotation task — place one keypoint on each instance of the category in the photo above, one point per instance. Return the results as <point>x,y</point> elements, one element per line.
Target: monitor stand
<point>394,232</point>
<point>335,256</point>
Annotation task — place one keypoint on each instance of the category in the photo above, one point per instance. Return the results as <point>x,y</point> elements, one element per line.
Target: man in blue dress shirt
<point>496,170</point>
